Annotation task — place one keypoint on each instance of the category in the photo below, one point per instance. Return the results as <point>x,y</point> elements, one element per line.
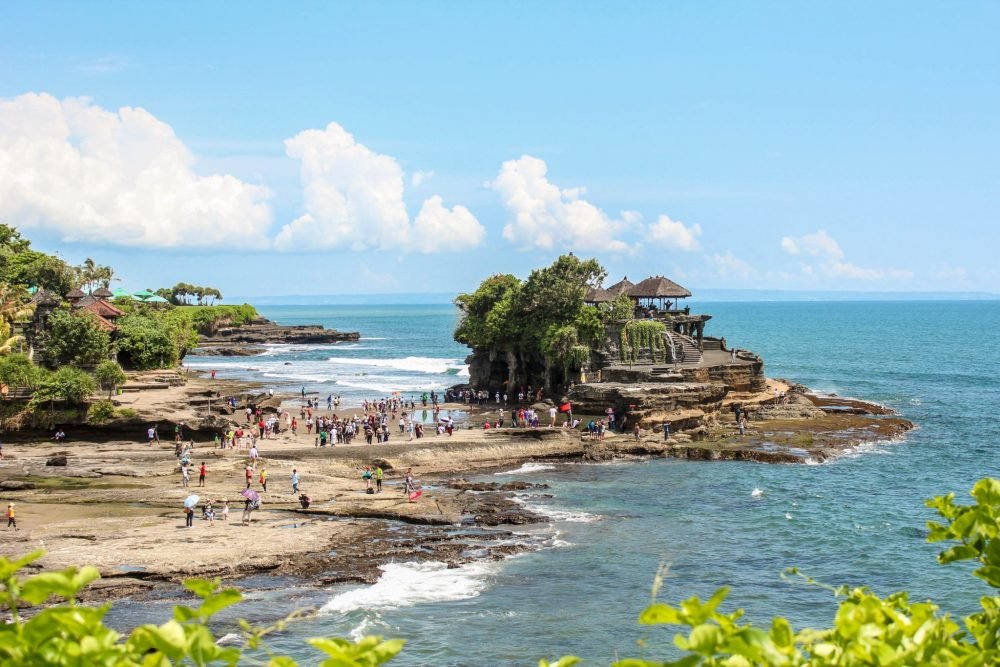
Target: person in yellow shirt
<point>11,521</point>
<point>263,479</point>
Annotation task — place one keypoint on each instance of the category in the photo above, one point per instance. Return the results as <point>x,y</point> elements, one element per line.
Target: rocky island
<point>248,339</point>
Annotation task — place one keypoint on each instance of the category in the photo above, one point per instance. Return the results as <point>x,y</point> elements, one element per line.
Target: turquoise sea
<point>859,519</point>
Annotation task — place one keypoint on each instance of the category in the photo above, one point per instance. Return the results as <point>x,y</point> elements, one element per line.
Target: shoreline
<point>116,504</point>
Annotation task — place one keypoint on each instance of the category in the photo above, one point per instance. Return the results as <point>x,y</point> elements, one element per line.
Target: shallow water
<point>859,519</point>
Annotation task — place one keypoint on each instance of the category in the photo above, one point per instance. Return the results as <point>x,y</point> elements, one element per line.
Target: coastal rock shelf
<point>248,339</point>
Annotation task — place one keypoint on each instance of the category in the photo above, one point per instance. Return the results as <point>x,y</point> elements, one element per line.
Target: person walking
<point>11,521</point>
<point>201,474</point>
<point>295,480</point>
<point>378,479</point>
<point>666,430</point>
<point>185,476</point>
<point>263,479</point>
<point>189,517</point>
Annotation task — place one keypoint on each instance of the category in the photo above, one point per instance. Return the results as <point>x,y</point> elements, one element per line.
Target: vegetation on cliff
<point>866,629</point>
<point>543,316</point>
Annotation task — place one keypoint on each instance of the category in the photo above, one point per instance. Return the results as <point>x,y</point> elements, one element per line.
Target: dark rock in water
<point>56,461</point>
<point>463,485</point>
<point>16,485</point>
<point>382,463</point>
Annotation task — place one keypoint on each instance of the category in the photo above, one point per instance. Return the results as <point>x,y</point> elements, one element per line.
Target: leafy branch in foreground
<point>866,630</point>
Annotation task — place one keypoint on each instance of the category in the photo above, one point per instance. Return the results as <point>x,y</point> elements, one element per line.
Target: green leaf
<point>660,614</point>
<point>219,601</point>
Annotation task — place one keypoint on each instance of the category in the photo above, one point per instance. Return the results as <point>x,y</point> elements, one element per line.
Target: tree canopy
<point>544,314</point>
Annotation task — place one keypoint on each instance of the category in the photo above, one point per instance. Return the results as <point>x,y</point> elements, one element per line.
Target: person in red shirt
<point>249,473</point>
<point>201,474</point>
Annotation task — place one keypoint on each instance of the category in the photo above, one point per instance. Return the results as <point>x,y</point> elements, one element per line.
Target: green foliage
<point>68,383</point>
<point>109,375</point>
<point>505,313</point>
<point>100,412</point>
<point>20,265</point>
<point>182,293</point>
<point>642,335</point>
<point>16,370</point>
<point>75,338</point>
<point>68,634</point>
<point>866,629</point>
<point>620,309</point>
<point>146,342</point>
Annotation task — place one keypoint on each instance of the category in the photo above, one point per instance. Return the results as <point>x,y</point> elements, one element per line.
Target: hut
<point>623,285</point>
<point>103,293</point>
<point>74,295</point>
<point>597,295</point>
<point>657,292</point>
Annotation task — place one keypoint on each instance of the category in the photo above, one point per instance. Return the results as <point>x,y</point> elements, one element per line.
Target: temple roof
<point>103,293</point>
<point>75,293</point>
<point>103,310</point>
<point>623,285</point>
<point>658,287</point>
<point>45,298</point>
<point>598,295</point>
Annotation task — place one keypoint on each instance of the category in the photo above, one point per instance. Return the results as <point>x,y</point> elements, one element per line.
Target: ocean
<point>858,519</point>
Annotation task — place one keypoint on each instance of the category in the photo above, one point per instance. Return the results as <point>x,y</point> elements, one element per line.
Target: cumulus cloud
<point>354,200</point>
<point>122,177</point>
<point>438,228</point>
<point>675,235</point>
<point>545,216</point>
<point>822,254</point>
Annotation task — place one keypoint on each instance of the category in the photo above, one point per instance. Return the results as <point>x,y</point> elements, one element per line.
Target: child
<point>225,509</point>
<point>201,474</point>
<point>11,521</point>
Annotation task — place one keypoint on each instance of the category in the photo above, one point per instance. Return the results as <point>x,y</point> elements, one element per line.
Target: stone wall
<point>685,404</point>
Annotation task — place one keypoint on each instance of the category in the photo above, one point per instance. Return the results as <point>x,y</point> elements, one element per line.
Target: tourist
<point>189,517</point>
<point>666,430</point>
<point>151,434</point>
<point>743,424</point>
<point>378,479</point>
<point>249,475</point>
<point>408,481</point>
<point>225,509</point>
<point>11,521</point>
<point>263,478</point>
<point>248,507</point>
<point>1,450</point>
<point>636,431</point>
<point>208,513</point>
<point>552,416</point>
<point>304,500</point>
<point>367,476</point>
<point>201,474</point>
<point>185,475</point>
<point>253,456</point>
<point>295,480</point>
<point>60,436</point>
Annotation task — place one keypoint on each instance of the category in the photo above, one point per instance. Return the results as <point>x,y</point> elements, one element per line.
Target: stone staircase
<point>687,350</point>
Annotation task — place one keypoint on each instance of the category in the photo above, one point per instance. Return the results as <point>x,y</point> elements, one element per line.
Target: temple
<point>655,358</point>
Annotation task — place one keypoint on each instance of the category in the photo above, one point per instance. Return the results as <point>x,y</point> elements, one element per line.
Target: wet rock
<point>56,461</point>
<point>16,485</point>
<point>463,485</point>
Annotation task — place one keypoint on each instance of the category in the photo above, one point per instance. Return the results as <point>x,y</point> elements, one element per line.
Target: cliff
<point>247,339</point>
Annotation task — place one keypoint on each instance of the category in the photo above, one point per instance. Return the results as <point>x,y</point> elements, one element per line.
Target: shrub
<point>100,412</point>
<point>68,383</point>
<point>109,375</point>
<point>75,338</point>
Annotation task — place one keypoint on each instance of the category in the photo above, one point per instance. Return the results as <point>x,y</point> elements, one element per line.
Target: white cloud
<point>675,235</point>
<point>419,177</point>
<point>544,216</point>
<point>353,195</point>
<point>438,228</point>
<point>728,265</point>
<point>117,177</point>
<point>354,199</point>
<point>822,254</point>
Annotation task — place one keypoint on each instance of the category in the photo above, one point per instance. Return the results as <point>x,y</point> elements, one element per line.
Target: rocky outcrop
<point>684,404</point>
<point>247,339</point>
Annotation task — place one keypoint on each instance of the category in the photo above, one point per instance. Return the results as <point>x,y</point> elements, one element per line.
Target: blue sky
<point>335,148</point>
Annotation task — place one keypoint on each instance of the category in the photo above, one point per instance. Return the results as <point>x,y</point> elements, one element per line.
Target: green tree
<point>16,370</point>
<point>75,338</point>
<point>109,375</point>
<point>146,342</point>
<point>68,383</point>
<point>14,309</point>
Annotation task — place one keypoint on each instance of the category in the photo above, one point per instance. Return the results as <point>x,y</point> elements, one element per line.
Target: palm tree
<point>14,307</point>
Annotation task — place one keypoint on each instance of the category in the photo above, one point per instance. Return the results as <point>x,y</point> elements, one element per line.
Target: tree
<point>109,375</point>
<point>146,342</point>
<point>75,338</point>
<point>13,309</point>
<point>16,370</point>
<point>68,383</point>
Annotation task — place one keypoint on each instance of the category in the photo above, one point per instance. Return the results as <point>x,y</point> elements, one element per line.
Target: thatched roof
<point>45,298</point>
<point>623,285</point>
<point>597,295</point>
<point>75,293</point>
<point>103,293</point>
<point>658,287</point>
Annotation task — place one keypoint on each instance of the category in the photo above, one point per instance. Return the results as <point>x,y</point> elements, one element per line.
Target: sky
<point>328,148</point>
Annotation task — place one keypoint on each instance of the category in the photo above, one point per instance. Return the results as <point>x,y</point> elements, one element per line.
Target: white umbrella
<point>191,500</point>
